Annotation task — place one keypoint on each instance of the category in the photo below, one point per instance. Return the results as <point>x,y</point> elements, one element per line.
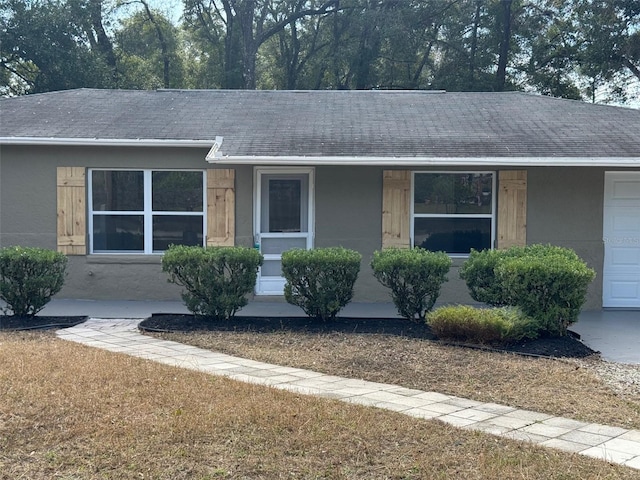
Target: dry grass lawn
<point>69,411</point>
<point>556,387</point>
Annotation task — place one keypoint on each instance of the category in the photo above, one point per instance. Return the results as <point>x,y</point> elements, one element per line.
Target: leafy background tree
<point>568,48</point>
<point>54,46</point>
<point>608,34</point>
<point>150,51</point>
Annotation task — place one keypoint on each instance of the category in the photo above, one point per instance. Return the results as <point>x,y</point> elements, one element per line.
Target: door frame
<point>610,243</point>
<point>275,285</point>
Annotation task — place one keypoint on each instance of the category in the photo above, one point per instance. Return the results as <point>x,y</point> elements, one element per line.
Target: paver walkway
<point>613,444</point>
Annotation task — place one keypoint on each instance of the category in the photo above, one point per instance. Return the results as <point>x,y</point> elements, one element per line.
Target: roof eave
<point>103,142</point>
<point>428,161</point>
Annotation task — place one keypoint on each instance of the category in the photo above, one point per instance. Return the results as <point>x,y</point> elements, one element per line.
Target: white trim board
<point>475,162</point>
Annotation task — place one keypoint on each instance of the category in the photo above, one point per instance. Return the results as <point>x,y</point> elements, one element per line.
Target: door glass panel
<point>118,233</point>
<point>176,230</point>
<point>279,245</point>
<point>284,205</point>
<point>271,268</point>
<point>117,190</point>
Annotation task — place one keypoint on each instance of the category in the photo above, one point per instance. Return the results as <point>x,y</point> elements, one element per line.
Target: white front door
<point>283,220</point>
<point>621,275</point>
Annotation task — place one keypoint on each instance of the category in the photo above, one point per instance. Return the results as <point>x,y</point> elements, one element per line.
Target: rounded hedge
<point>321,280</point>
<point>414,276</point>
<point>29,278</point>
<point>551,288</point>
<point>217,280</point>
<point>548,282</point>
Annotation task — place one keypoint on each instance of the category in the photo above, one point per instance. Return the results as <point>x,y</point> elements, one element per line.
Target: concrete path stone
<point>612,444</point>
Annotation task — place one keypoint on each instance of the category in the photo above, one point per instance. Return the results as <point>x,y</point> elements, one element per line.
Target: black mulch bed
<point>8,322</point>
<point>559,347</point>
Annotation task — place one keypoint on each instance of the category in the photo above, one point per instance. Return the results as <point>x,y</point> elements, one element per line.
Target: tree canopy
<point>567,48</point>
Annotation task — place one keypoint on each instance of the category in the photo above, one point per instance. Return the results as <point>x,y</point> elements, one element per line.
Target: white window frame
<point>491,216</point>
<point>147,213</point>
<point>257,195</point>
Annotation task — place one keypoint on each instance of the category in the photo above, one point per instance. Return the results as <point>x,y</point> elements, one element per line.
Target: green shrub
<point>551,288</point>
<point>478,272</point>
<point>488,326</point>
<point>414,277</point>
<point>216,279</point>
<point>548,282</point>
<point>320,281</point>
<point>29,277</point>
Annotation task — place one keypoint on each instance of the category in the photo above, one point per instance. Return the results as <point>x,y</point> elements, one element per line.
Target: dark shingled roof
<point>334,123</point>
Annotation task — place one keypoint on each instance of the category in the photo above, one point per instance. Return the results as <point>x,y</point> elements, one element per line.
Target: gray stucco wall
<point>28,216</point>
<point>27,199</point>
<point>349,214</point>
<point>564,208</point>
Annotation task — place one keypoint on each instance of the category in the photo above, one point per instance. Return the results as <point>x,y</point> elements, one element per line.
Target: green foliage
<point>150,55</point>
<point>482,325</point>
<point>414,277</point>
<point>54,46</point>
<point>320,281</point>
<point>548,282</point>
<point>29,277</point>
<point>479,270</point>
<point>551,288</point>
<point>478,273</point>
<point>216,279</point>
<point>607,37</point>
<point>555,47</point>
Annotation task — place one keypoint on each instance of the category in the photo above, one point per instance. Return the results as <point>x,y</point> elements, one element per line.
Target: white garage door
<point>621,276</point>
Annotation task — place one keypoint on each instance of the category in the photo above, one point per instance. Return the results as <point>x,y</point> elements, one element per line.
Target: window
<point>145,211</point>
<point>453,211</point>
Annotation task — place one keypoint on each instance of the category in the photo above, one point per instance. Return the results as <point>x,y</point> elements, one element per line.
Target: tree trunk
<point>368,51</point>
<point>634,68</point>
<point>163,45</point>
<point>244,36</point>
<point>103,44</point>
<point>249,49</point>
<point>232,63</point>
<point>474,45</point>
<point>501,74</point>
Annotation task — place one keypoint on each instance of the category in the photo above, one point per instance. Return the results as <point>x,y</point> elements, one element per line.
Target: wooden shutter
<point>396,198</point>
<point>221,206</point>
<point>512,208</point>
<point>71,212</point>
